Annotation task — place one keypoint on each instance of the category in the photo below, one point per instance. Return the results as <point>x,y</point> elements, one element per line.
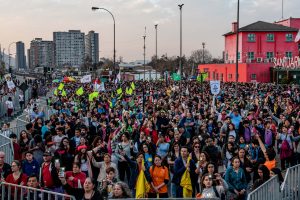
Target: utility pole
<point>237,49</point>
<point>156,49</point>
<point>180,59</point>
<point>145,55</point>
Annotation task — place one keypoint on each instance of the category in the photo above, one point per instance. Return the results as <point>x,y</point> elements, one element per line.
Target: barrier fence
<point>15,99</point>
<point>270,190</point>
<point>17,192</point>
<point>7,147</point>
<point>291,185</point>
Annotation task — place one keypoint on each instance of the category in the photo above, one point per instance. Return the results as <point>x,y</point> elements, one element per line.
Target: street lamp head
<point>180,6</point>
<point>203,44</point>
<point>95,8</point>
<point>156,25</point>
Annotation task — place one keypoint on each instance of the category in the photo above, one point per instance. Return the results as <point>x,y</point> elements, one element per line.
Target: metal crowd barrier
<point>17,192</point>
<point>270,190</point>
<point>7,147</point>
<point>291,185</point>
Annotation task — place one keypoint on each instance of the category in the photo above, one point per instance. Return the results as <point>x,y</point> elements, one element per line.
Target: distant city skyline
<point>203,21</point>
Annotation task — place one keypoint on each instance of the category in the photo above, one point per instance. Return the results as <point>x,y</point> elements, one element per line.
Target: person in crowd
<point>48,175</point>
<point>264,175</point>
<point>106,184</point>
<point>75,178</point>
<point>10,107</point>
<point>5,168</point>
<point>236,180</point>
<point>162,147</point>
<point>88,192</point>
<point>16,177</point>
<point>245,164</point>
<point>16,147</point>
<point>173,155</point>
<point>85,160</point>
<point>210,189</point>
<point>37,147</point>
<point>276,171</point>
<point>181,164</point>
<point>121,191</point>
<point>24,142</point>
<point>104,165</point>
<point>159,179</point>
<point>30,166</point>
<point>32,182</point>
<point>129,149</point>
<point>64,154</point>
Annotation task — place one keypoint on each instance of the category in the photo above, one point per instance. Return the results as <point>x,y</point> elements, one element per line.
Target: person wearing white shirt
<point>10,106</point>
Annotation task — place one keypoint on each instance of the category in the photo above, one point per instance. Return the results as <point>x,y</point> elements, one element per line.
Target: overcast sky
<point>203,21</point>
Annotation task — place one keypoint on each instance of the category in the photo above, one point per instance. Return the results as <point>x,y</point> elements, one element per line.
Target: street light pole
<point>180,61</point>
<point>156,49</point>
<point>145,55</point>
<point>237,49</point>
<point>203,45</point>
<point>9,67</point>
<point>96,8</point>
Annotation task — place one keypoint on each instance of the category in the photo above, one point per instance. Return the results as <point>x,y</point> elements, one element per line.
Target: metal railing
<point>291,185</point>
<point>15,99</point>
<point>7,147</point>
<point>17,192</point>
<point>270,190</point>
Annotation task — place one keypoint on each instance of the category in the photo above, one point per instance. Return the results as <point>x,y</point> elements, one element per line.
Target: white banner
<point>215,87</point>
<point>86,79</point>
<point>10,85</point>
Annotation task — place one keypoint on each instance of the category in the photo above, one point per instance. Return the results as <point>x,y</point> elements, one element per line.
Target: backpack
<point>285,150</point>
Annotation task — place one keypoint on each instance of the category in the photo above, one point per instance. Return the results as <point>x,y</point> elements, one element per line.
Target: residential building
<point>41,53</point>
<point>69,48</point>
<point>92,46</point>
<point>20,55</point>
<point>261,45</point>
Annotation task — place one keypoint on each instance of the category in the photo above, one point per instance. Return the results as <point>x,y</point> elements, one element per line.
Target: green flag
<point>63,93</point>
<point>204,76</point>
<point>61,86</point>
<point>129,91</point>
<point>119,91</point>
<point>132,85</point>
<point>55,92</point>
<point>93,95</point>
<point>176,77</point>
<point>80,91</point>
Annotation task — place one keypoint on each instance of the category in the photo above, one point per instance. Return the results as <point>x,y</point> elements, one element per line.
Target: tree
<point>2,69</point>
<point>197,56</point>
<point>87,63</point>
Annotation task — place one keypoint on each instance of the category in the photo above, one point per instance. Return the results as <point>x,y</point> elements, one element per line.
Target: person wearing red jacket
<point>75,178</point>
<point>147,128</point>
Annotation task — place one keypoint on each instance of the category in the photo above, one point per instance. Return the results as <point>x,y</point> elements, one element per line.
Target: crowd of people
<point>185,143</point>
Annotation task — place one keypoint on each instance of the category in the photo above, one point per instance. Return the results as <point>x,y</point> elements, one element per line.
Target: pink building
<point>259,44</point>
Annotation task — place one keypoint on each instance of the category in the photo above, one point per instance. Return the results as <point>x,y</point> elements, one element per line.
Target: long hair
<point>125,189</point>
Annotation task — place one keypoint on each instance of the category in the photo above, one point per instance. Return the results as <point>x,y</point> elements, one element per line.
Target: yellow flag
<point>186,183</point>
<point>119,91</point>
<point>142,185</point>
<point>129,91</point>
<point>132,85</point>
<point>93,95</point>
<point>79,92</point>
<point>63,93</point>
<point>61,86</point>
<point>55,92</point>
